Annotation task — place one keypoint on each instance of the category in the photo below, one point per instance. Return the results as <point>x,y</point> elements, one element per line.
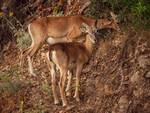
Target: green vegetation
<point>6,80</point>
<point>23,39</point>
<point>47,89</point>
<point>12,71</point>
<point>135,12</point>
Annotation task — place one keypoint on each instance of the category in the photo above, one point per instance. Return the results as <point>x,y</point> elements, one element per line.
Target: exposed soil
<point>116,80</point>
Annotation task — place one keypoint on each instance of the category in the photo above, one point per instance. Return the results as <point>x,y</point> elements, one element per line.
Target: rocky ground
<point>116,79</point>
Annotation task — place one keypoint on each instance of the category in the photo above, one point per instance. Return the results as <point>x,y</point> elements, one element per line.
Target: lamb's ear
<point>84,27</point>
<point>114,17</point>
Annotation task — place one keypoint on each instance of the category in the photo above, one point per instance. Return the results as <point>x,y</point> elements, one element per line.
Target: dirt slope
<point>116,80</point>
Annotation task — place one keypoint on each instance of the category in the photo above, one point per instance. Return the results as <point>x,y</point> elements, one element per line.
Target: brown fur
<point>68,57</point>
<point>73,51</point>
<point>63,26</point>
<point>60,27</point>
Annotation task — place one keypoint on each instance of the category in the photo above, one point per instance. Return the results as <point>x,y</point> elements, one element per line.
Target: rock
<point>143,61</point>
<point>108,90</point>
<point>146,106</point>
<point>138,93</point>
<point>61,111</point>
<point>123,104</point>
<point>70,107</point>
<point>114,110</point>
<point>147,75</point>
<point>136,77</point>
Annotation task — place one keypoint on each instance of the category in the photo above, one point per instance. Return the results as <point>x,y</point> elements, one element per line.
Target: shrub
<point>23,39</point>
<point>133,11</point>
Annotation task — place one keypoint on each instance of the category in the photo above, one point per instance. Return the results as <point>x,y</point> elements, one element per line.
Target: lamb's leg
<point>78,72</point>
<point>62,86</point>
<point>68,92</point>
<point>51,67</point>
<point>53,75</point>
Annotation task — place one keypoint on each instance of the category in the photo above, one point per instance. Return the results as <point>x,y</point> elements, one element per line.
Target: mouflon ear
<point>114,17</point>
<point>115,21</point>
<point>84,27</point>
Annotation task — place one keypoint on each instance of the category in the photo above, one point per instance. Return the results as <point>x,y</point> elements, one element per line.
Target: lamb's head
<point>89,30</point>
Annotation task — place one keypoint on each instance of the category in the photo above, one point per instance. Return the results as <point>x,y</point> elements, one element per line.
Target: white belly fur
<point>52,40</point>
<point>55,60</point>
